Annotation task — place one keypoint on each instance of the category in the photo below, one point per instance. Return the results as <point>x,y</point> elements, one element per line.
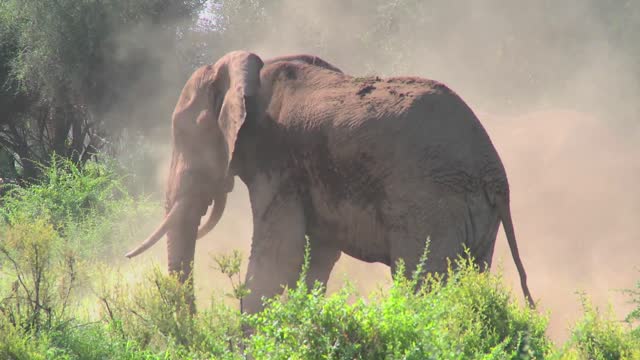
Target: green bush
<point>469,316</point>
<point>89,207</point>
<point>154,314</point>
<point>66,193</point>
<point>49,233</point>
<point>633,318</point>
<point>39,275</point>
<point>18,344</point>
<point>62,296</point>
<point>599,336</point>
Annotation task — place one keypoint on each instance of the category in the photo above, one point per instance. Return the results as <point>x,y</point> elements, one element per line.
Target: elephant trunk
<point>181,244</point>
<point>182,235</point>
<point>189,199</point>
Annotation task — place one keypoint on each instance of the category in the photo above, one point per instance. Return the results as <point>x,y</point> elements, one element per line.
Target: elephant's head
<point>205,123</point>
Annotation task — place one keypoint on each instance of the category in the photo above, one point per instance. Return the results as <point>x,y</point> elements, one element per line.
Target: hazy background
<point>554,82</point>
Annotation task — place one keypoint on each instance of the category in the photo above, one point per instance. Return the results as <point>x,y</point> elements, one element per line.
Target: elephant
<point>367,166</point>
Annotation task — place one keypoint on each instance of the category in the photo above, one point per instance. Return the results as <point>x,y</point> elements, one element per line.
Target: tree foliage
<point>69,70</point>
<point>77,75</point>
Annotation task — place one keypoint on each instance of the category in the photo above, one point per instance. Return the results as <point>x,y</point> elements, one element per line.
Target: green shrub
<point>89,207</point>
<point>633,318</point>
<point>154,314</point>
<point>473,317</point>
<point>49,232</point>
<point>39,275</point>
<point>600,336</point>
<point>53,305</point>
<point>18,344</point>
<point>469,316</point>
<point>66,193</point>
<point>38,291</point>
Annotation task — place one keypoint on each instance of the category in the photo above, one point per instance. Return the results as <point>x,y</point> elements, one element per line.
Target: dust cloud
<point>573,201</point>
<point>554,91</point>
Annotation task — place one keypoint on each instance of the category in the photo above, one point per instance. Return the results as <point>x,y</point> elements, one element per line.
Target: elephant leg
<point>444,246</point>
<point>481,224</point>
<point>323,257</point>
<point>277,250</point>
<point>483,251</point>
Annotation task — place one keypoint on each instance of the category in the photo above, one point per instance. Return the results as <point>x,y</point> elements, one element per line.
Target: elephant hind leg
<point>481,229</point>
<point>483,250</point>
<point>323,257</point>
<point>271,268</point>
<point>444,246</point>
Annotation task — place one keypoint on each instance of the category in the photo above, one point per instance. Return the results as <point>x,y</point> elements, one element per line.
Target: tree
<point>74,71</point>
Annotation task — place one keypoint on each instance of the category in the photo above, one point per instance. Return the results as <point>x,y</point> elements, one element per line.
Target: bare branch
<point>6,253</point>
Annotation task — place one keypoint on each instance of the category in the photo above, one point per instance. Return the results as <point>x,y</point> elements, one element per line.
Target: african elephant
<point>367,166</point>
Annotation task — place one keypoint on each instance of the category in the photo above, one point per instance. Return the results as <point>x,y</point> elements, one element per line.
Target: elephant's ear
<point>243,71</point>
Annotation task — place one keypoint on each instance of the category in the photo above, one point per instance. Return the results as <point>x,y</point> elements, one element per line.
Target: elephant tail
<point>505,214</point>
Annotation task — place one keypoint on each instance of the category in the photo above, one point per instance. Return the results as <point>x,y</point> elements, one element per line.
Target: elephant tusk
<point>218,208</point>
<point>162,229</point>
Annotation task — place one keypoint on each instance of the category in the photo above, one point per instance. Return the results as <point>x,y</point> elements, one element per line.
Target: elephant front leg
<point>277,251</point>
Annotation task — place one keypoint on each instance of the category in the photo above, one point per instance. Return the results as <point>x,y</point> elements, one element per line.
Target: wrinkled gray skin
<point>366,166</point>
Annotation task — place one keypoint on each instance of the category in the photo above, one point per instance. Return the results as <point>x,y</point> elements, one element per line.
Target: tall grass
<point>62,296</point>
